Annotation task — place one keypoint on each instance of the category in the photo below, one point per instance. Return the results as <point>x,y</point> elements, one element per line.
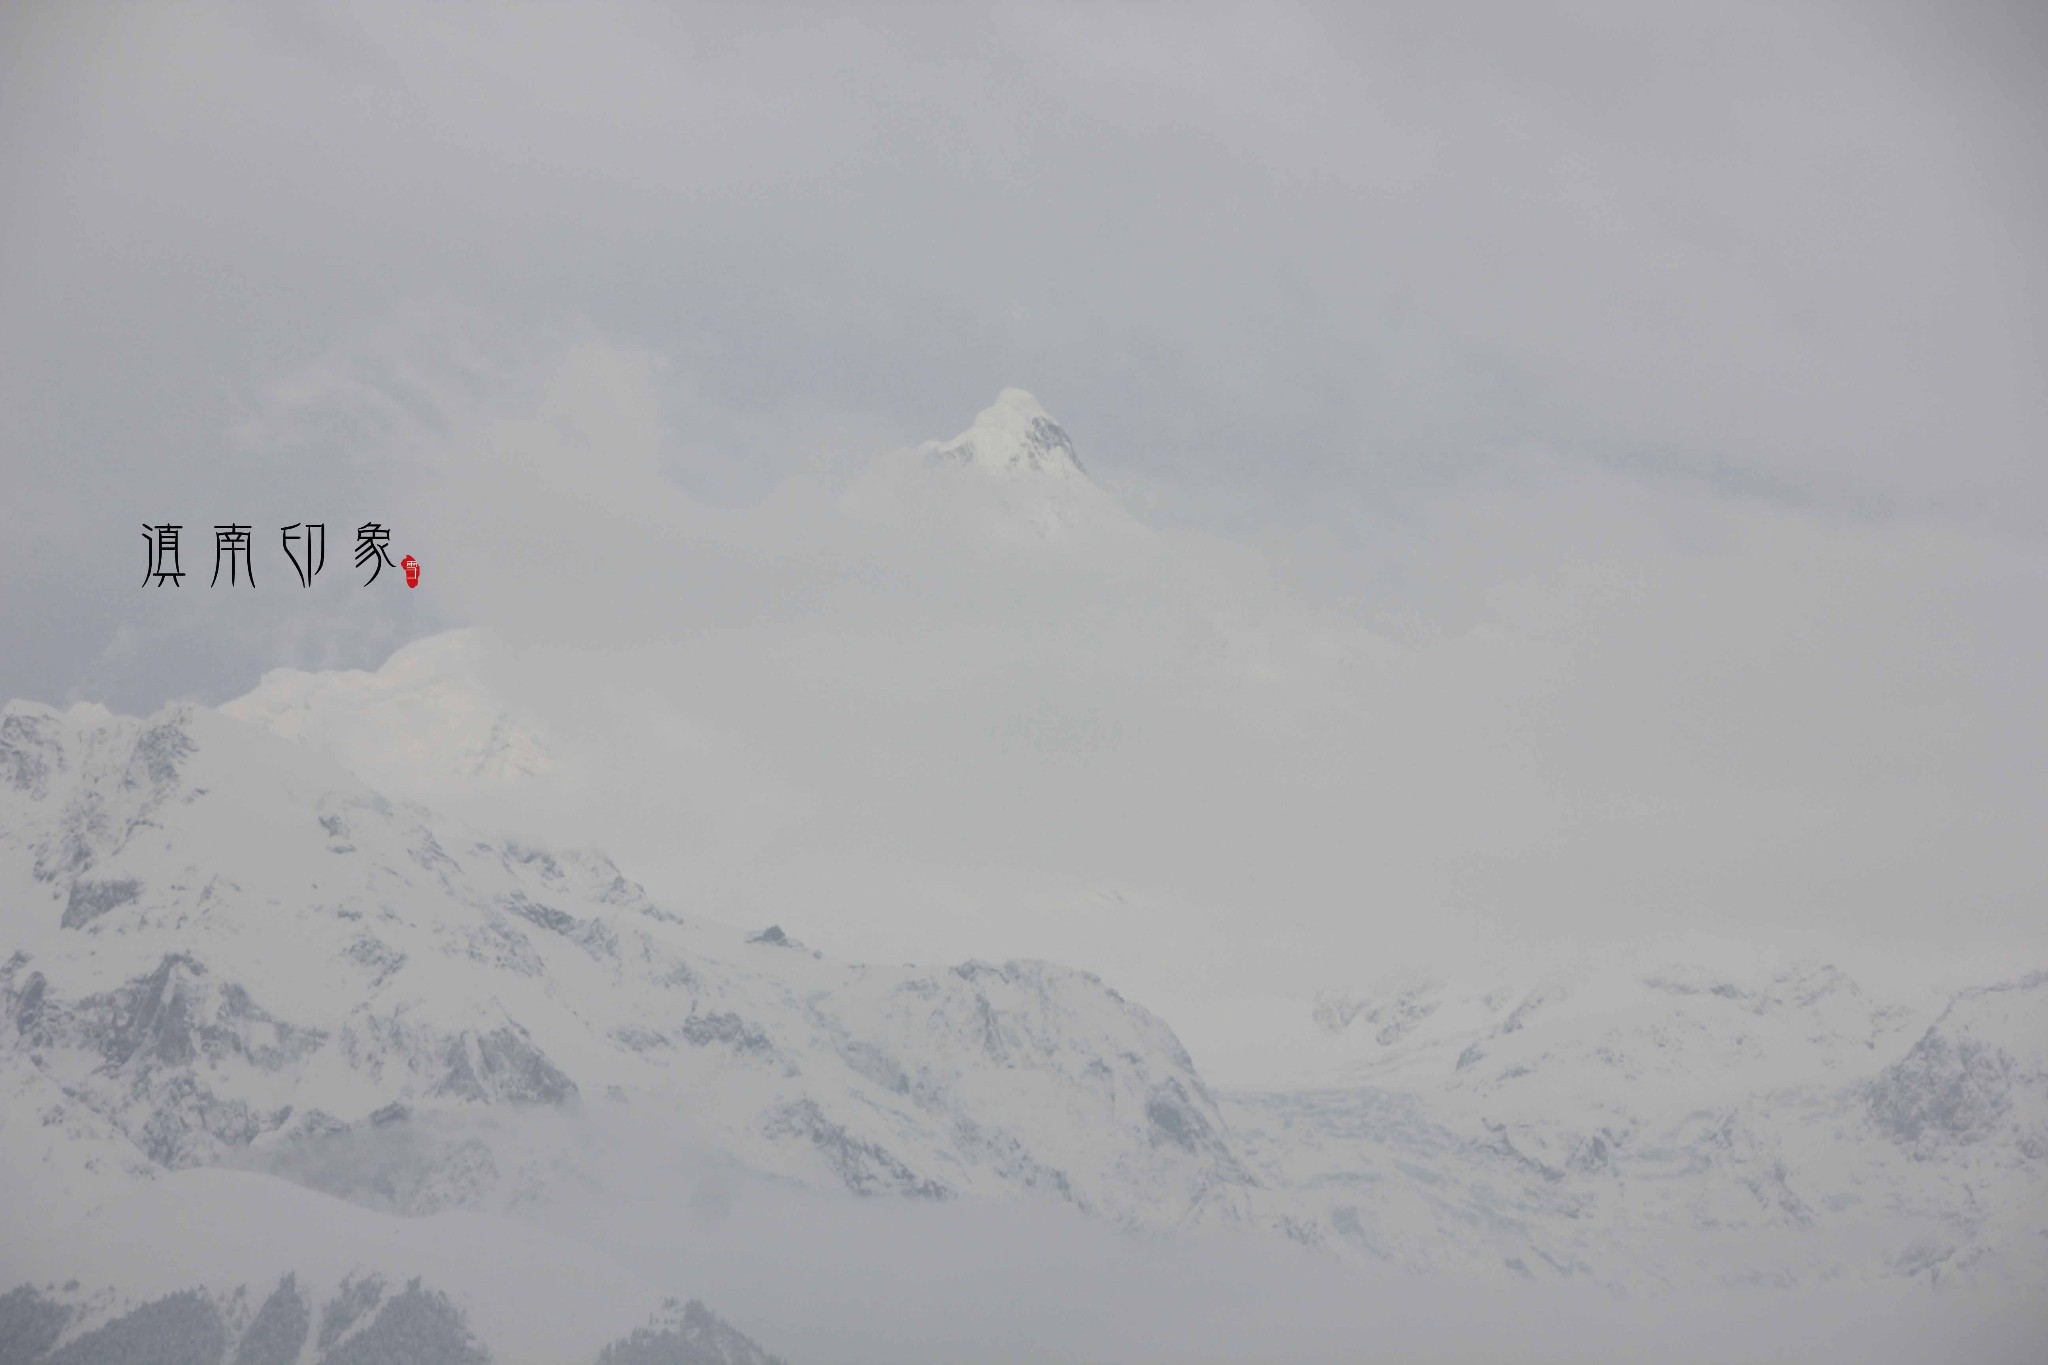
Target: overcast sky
<point>1658,395</point>
<point>1276,265</point>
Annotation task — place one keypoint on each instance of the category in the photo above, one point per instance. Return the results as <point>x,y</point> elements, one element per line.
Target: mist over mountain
<point>937,704</point>
<point>264,1014</point>
<point>1291,682</point>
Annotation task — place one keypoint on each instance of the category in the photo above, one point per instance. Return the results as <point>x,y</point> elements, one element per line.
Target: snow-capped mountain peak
<point>1015,435</point>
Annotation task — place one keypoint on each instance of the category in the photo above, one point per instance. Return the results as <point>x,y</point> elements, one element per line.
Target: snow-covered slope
<point>1014,436</point>
<point>1687,1121</point>
<point>1012,477</point>
<point>222,944</point>
<point>223,951</point>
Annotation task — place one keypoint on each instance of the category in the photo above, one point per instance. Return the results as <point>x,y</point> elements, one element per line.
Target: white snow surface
<point>224,951</point>
<point>195,893</point>
<point>419,722</point>
<point>1014,436</point>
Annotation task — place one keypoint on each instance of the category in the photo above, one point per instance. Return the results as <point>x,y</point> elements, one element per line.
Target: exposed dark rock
<point>1041,444</point>
<point>729,1029</point>
<point>547,917</point>
<point>350,1303</point>
<point>28,1007</point>
<point>639,1039</point>
<point>189,1120</point>
<point>1010,1156</point>
<point>81,828</point>
<point>30,750</point>
<point>693,1336</point>
<point>160,750</point>
<point>1592,1157</point>
<point>1505,1146</point>
<point>876,1065</point>
<point>181,1329</point>
<point>429,856</point>
<point>861,1166</point>
<point>278,1332</point>
<point>502,1065</point>
<point>165,1035</point>
<point>91,899</point>
<point>414,1327</point>
<point>153,1016</point>
<point>538,859</point>
<point>1952,1088</point>
<point>592,936</point>
<point>1177,1117</point>
<point>171,1016</point>
<point>1171,1121</point>
<point>377,957</point>
<point>29,1323</point>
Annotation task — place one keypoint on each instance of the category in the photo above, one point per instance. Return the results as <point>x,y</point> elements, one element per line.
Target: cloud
<point>1573,480</point>
<point>916,712</point>
<point>819,1276</point>
<point>1586,464</point>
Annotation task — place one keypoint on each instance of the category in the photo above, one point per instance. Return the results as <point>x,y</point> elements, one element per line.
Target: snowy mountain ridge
<point>223,951</point>
<point>1014,436</point>
<point>428,968</point>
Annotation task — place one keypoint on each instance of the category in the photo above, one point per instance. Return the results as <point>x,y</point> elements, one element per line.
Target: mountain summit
<point>1014,435</point>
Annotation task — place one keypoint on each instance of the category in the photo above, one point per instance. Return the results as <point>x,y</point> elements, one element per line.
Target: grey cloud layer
<point>1658,399</point>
